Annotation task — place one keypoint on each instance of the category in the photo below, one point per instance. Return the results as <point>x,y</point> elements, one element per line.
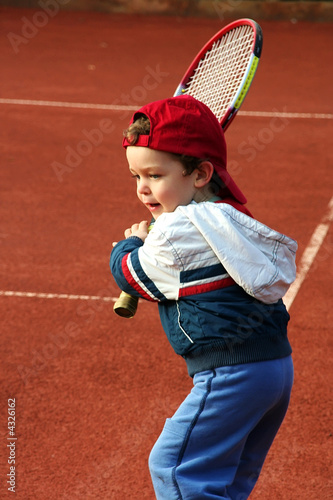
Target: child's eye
<point>155,176</point>
<point>135,177</point>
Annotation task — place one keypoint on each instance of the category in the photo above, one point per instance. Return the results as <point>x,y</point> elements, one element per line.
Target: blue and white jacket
<point>218,276</point>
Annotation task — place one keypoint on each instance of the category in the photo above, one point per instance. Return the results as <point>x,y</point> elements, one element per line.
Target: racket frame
<point>248,76</point>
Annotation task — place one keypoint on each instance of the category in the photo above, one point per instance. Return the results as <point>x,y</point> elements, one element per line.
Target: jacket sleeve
<point>259,259</point>
<point>118,257</point>
<point>146,270</point>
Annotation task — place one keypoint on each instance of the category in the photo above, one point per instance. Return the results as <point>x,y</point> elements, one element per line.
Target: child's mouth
<point>152,206</point>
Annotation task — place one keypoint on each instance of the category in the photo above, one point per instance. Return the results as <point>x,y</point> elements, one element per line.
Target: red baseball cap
<point>184,125</point>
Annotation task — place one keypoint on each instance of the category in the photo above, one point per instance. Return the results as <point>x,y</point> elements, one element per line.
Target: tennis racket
<point>126,305</point>
<point>219,76</point>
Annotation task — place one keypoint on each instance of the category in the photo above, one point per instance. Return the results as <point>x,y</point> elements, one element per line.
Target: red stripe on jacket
<point>206,287</point>
<point>131,281</point>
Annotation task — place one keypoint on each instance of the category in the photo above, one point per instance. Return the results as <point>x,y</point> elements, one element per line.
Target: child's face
<point>161,181</point>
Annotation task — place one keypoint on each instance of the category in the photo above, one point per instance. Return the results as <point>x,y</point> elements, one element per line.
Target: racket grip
<point>126,305</point>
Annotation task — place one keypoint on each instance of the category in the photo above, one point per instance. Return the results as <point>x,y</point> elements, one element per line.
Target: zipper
<point>180,326</point>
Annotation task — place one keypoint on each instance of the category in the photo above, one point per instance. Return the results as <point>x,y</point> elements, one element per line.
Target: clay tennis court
<point>92,390</point>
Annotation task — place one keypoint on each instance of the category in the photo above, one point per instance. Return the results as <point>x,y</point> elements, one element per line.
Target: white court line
<point>319,116</point>
<point>116,107</point>
<point>309,254</point>
<point>39,295</point>
<point>60,104</point>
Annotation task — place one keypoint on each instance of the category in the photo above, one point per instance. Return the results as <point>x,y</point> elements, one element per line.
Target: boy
<point>218,276</point>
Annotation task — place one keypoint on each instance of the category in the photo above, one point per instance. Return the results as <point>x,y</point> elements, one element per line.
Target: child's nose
<point>143,187</point>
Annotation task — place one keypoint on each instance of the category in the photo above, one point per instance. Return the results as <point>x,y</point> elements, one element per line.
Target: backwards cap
<point>183,125</point>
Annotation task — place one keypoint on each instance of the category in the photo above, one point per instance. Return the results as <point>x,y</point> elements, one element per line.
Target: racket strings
<point>223,66</point>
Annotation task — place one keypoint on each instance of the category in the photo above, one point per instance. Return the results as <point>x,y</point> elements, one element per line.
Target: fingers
<point>128,232</point>
<point>139,229</point>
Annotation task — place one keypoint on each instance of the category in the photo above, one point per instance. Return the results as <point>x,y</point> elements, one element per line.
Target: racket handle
<point>126,305</point>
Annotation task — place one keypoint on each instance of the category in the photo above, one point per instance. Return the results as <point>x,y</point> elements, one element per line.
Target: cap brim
<point>231,185</point>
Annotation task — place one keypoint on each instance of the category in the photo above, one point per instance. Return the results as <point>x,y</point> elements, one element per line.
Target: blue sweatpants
<point>215,444</point>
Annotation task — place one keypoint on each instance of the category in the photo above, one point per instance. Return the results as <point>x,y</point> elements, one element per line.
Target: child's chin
<point>156,214</point>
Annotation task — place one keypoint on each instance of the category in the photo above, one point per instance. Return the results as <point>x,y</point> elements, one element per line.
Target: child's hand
<point>140,230</point>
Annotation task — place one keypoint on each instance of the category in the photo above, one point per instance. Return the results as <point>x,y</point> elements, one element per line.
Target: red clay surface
<point>92,390</point>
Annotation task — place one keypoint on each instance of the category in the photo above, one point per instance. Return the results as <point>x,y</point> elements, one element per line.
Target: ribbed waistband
<point>208,357</point>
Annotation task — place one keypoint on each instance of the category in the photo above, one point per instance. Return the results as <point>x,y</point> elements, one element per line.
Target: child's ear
<point>203,174</point>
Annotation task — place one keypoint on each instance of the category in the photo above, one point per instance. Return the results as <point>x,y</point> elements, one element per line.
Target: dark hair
<point>141,126</point>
